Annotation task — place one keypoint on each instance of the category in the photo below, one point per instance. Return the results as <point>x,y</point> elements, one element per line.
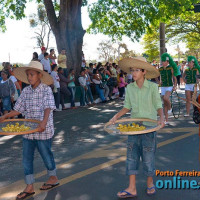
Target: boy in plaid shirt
<point>36,102</point>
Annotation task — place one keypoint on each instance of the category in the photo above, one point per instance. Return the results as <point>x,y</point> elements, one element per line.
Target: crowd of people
<point>96,82</point>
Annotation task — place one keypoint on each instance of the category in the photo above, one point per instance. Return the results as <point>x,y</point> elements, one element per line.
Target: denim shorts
<point>6,103</point>
<point>141,146</point>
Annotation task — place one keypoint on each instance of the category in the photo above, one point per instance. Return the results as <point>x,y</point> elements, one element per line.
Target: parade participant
<point>143,99</point>
<point>189,77</point>
<point>168,73</point>
<point>36,102</point>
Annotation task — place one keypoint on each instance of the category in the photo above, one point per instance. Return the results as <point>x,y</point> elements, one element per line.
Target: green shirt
<point>143,102</point>
<point>190,75</point>
<point>166,76</point>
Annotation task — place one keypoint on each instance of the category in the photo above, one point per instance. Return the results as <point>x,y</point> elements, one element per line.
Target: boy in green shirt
<point>143,99</point>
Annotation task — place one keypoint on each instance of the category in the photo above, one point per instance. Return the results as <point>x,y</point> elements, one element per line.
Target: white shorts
<point>189,87</point>
<point>165,89</point>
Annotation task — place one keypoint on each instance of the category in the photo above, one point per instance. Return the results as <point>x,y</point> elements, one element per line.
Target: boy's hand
<point>42,126</point>
<point>113,120</point>
<point>2,118</point>
<point>161,123</point>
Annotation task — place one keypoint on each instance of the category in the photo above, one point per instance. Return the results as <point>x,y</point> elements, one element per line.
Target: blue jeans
<point>100,92</point>
<point>44,148</point>
<point>72,96</point>
<point>89,93</point>
<point>143,146</point>
<point>6,103</point>
<point>57,98</point>
<point>83,97</point>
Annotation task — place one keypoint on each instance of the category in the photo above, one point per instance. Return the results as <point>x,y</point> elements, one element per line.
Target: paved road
<point>91,163</point>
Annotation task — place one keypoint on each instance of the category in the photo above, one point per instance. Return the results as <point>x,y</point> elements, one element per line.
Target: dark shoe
<point>105,101</point>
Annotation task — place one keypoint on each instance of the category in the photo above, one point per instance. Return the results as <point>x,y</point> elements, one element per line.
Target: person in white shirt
<point>56,90</point>
<point>46,63</point>
<point>83,86</point>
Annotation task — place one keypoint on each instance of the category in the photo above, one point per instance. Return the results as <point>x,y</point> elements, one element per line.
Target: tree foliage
<point>41,25</point>
<point>131,17</point>
<point>151,44</point>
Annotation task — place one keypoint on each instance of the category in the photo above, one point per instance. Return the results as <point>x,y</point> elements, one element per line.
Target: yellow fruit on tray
<point>130,127</point>
<point>15,128</point>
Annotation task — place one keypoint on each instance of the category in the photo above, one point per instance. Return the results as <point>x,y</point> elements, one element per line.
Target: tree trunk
<point>68,30</point>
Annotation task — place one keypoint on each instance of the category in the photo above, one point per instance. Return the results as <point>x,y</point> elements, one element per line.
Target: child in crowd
<point>7,93</point>
<point>83,87</point>
<point>122,85</point>
<point>36,102</point>
<point>72,87</point>
<point>56,90</point>
<point>143,100</point>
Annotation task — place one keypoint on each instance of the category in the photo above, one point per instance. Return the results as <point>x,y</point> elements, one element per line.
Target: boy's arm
<point>43,123</point>
<point>119,114</point>
<point>161,120</point>
<point>13,113</point>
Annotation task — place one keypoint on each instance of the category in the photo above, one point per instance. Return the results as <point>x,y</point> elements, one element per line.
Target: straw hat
<point>139,62</point>
<point>20,73</point>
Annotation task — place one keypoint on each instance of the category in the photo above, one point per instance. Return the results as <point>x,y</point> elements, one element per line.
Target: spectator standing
<point>72,87</point>
<point>52,57</point>
<point>97,79</point>
<point>83,87</point>
<point>178,74</point>
<point>56,90</point>
<point>122,85</point>
<point>88,82</point>
<point>46,63</point>
<point>83,60</point>
<point>43,51</point>
<point>105,77</point>
<point>7,91</point>
<point>35,56</point>
<point>62,61</point>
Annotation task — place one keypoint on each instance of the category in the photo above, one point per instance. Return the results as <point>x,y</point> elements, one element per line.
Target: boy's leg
<point>148,158</point>
<point>44,148</point>
<point>28,157</point>
<point>132,164</point>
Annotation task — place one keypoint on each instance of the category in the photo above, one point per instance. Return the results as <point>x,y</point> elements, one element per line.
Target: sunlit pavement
<point>91,163</point>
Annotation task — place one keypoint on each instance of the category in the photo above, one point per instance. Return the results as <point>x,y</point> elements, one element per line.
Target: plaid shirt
<point>32,103</point>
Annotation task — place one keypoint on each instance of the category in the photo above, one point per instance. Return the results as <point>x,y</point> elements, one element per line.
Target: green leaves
<point>132,17</point>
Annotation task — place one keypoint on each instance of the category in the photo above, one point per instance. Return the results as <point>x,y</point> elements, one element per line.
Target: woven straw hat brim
<point>20,74</point>
<point>127,63</point>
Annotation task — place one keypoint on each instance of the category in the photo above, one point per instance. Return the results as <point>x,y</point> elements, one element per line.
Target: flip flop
<point>27,194</point>
<point>127,195</point>
<point>149,189</point>
<point>49,186</point>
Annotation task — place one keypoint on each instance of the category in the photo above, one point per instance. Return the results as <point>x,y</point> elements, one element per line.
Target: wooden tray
<point>33,124</point>
<point>112,128</point>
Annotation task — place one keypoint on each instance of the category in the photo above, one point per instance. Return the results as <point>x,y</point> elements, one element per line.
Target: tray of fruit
<point>132,126</point>
<point>18,126</point>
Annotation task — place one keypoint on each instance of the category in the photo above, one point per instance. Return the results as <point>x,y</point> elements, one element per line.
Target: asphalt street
<point>91,163</point>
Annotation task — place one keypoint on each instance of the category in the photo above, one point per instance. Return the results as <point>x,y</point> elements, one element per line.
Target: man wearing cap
<point>168,73</point>
<point>41,56</point>
<point>143,100</point>
<point>189,77</point>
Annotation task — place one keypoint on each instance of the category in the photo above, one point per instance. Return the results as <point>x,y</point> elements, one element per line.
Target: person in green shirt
<point>142,98</point>
<point>168,73</point>
<point>189,77</point>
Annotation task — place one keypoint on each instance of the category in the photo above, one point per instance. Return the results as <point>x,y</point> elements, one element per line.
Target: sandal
<point>27,194</point>
<point>49,186</point>
<point>149,189</point>
<point>126,195</point>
